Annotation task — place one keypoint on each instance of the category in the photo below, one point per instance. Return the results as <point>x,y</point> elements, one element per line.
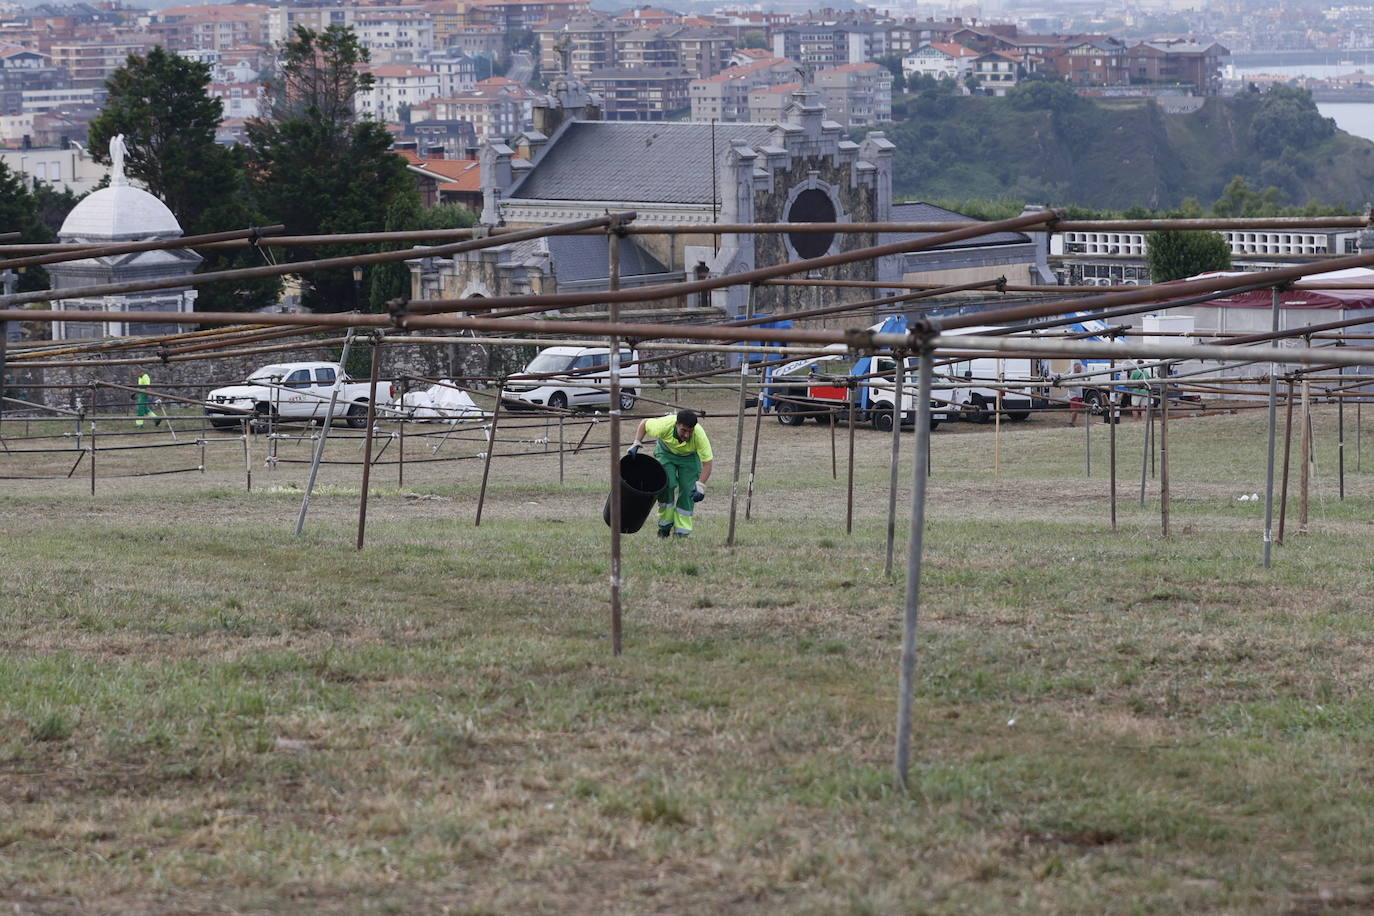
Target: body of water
<point>1355,118</point>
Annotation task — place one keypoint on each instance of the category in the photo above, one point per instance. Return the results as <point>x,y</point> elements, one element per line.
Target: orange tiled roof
<point>742,70</point>
<point>246,12</point>
<point>953,49</point>
<point>400,70</point>
<point>780,89</point>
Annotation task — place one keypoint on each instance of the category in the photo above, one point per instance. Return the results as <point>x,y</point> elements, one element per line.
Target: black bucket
<point>641,479</point>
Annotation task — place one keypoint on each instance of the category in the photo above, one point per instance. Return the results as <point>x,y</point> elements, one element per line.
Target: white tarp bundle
<point>440,402</point>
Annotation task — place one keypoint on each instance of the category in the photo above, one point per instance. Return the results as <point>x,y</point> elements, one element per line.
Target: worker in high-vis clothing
<point>685,453</point>
<point>144,402</point>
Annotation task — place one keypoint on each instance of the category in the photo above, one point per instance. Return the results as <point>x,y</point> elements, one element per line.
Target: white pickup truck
<point>290,391</point>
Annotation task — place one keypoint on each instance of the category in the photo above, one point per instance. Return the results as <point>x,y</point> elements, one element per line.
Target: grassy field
<point>201,712</point>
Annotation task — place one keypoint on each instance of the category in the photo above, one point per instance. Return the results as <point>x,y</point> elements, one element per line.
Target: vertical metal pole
<point>367,440</point>
<point>324,431</point>
<point>1305,477</point>
<point>561,447</point>
<point>491,450</point>
<point>613,236</point>
<point>401,421</point>
<point>849,485</point>
<point>916,542</point>
<point>754,452</point>
<point>1340,431</point>
<point>1359,432</point>
<point>1164,458</point>
<point>1087,438</point>
<point>1287,451</point>
<point>739,430</point>
<point>997,429</point>
<point>834,461</point>
<point>1112,417</point>
<point>247,460</point>
<point>896,460</point>
<point>93,445</point>
<point>202,454</point>
<point>1148,448</point>
<point>4,347</point>
<point>1272,422</point>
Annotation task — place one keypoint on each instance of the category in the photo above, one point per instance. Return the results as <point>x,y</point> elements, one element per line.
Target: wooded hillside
<point>1044,144</point>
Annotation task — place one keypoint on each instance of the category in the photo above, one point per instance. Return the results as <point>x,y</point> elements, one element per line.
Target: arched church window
<point>811,206</point>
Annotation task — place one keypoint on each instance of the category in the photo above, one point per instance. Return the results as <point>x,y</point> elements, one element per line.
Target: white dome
<point>120,212</point>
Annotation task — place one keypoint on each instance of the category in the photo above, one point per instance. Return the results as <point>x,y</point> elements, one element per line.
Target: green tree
<point>1177,253</point>
<point>1239,199</point>
<point>754,38</point>
<point>19,213</point>
<point>316,166</point>
<point>168,121</point>
<point>52,205</point>
<point>1288,120</point>
<point>159,103</point>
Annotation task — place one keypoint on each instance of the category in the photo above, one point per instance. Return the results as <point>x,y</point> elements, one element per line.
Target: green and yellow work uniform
<point>144,409</point>
<point>681,461</point>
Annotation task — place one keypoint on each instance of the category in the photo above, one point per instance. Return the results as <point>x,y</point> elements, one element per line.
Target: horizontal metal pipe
<point>1160,293</point>
<point>190,241</point>
<point>294,267</point>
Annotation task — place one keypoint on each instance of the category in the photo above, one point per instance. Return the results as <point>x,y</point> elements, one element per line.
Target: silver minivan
<point>573,377</point>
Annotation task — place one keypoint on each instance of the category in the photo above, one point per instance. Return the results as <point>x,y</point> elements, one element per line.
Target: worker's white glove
<point>634,449</point>
<point>699,492</point>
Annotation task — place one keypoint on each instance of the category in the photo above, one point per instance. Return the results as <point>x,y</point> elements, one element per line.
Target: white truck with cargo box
<point>572,378</point>
<point>290,391</point>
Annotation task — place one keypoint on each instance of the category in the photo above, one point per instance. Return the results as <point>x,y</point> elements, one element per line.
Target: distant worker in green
<point>685,453</point>
<point>1142,394</point>
<point>144,402</point>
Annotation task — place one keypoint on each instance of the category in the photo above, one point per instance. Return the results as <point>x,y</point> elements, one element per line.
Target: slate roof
<point>929,213</point>
<point>587,257</point>
<point>583,258</point>
<point>653,162</point>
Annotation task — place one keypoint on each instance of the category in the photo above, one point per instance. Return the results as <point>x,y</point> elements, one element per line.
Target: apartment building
<point>240,99</point>
<point>91,61</point>
<point>395,86</point>
<point>725,96</point>
<point>856,95</point>
<point>516,15</point>
<point>590,39</point>
<point>457,71</point>
<point>641,93</point>
<point>395,34</point>
<point>1181,60</point>
<point>496,108</point>
<point>216,28</point>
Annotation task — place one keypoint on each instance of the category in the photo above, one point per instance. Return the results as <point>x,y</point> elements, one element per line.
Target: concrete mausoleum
<point>121,213</point>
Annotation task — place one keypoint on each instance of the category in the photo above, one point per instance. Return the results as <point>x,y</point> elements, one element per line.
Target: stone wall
<point>467,356</point>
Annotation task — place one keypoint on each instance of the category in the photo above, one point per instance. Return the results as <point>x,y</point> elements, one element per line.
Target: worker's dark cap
<point>687,418</point>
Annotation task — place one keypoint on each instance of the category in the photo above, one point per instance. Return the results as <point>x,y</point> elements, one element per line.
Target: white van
<point>1007,375</point>
<point>573,377</point>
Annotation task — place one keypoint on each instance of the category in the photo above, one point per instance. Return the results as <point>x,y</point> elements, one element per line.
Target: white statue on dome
<point>117,151</point>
